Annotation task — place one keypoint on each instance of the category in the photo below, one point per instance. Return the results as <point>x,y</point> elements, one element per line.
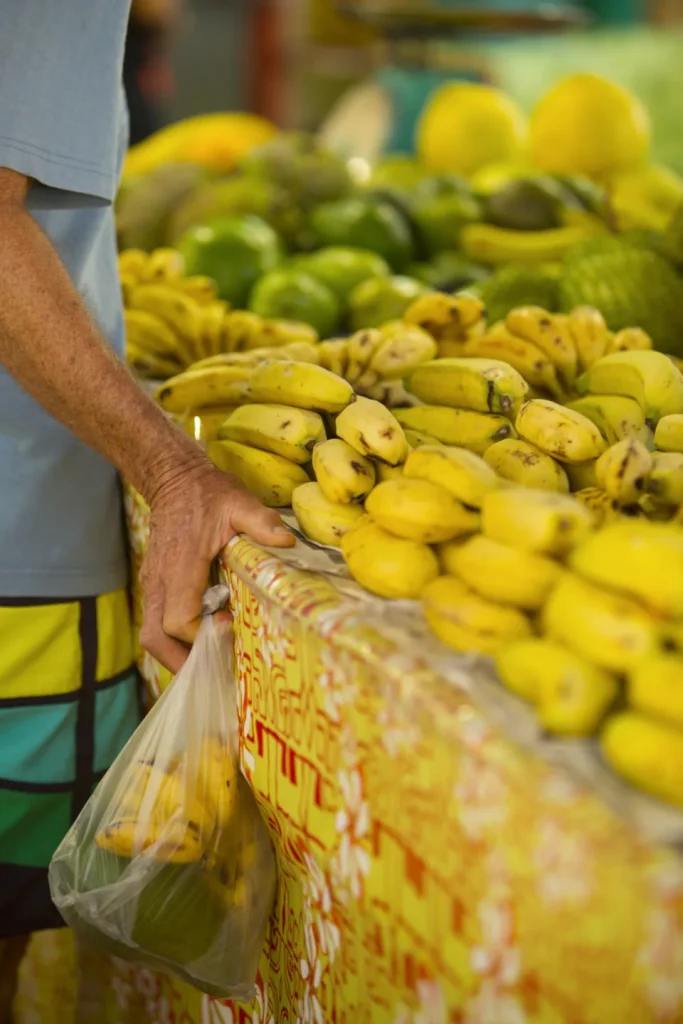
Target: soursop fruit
<point>517,286</point>
<point>632,288</point>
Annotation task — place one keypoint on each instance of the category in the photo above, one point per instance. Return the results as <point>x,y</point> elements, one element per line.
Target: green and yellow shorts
<point>69,700</point>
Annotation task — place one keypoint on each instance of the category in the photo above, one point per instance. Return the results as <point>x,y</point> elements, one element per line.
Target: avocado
<point>531,204</point>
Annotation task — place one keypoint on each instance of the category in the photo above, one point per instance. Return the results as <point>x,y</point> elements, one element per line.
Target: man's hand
<point>195,512</point>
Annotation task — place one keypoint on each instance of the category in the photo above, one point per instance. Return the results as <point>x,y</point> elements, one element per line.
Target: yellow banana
<point>200,288</point>
<point>548,333</point>
<point>151,334</point>
<point>526,358</point>
<point>623,470</point>
<point>303,385</point>
<point>464,474</point>
<point>204,424</point>
<point>216,778</point>
<point>163,265</point>
<point>373,431</point>
<point>648,377</point>
<point>385,472</point>
<point>590,334</point>
<point>647,753</point>
<point>604,509</point>
<point>359,349</point>
<point>149,364</point>
<point>419,510</point>
<point>388,566</point>
<point>151,792</point>
<point>563,433</point>
<point>669,433</point>
<point>322,520</point>
<point>272,478</point>
<point>445,317</point>
<point>289,432</point>
<point>297,351</point>
<point>485,385</point>
<point>467,622</point>
<point>195,389</point>
<point>275,333</point>
<point>416,438</point>
<point>630,339</point>
<point>655,687</point>
<point>665,483</point>
<point>464,427</point>
<point>607,629</point>
<point>581,475</point>
<point>211,318</point>
<point>132,263</point>
<point>342,473</point>
<point>525,464</point>
<point>179,311</point>
<point>402,347</point>
<point>535,520</point>
<point>334,355</point>
<point>171,842</point>
<point>486,243</point>
<point>242,331</point>
<point>638,558</point>
<point>501,572</point>
<point>614,416</point>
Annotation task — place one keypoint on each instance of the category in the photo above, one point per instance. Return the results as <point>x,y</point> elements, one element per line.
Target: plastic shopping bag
<point>169,864</point>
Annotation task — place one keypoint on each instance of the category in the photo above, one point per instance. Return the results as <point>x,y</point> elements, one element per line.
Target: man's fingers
<point>261,524</point>
<point>168,651</point>
<point>185,581</point>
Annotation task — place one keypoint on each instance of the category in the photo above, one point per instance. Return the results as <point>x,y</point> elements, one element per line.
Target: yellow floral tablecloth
<point>431,872</point>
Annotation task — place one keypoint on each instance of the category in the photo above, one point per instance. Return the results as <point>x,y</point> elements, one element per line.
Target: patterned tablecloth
<point>431,870</point>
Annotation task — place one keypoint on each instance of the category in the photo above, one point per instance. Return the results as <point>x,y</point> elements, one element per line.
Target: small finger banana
<point>590,334</point>
<point>445,317</point>
<point>242,330</point>
<point>655,687</point>
<point>171,842</point>
<point>563,433</point>
<point>132,263</point>
<point>373,431</point>
<point>203,290</point>
<point>322,520</point>
<point>648,377</point>
<point>603,508</point>
<point>467,622</point>
<point>195,389</point>
<point>525,464</point>
<point>386,565</point>
<point>464,427</point>
<point>465,475</point>
<point>275,333</point>
<point>343,474</point>
<point>204,424</point>
<point>526,358</point>
<point>630,339</point>
<point>402,348</point>
<point>486,385</point>
<point>282,429</point>
<point>501,572</point>
<point>270,477</point>
<point>163,265</point>
<point>303,385</point>
<point>614,416</point>
<point>179,311</point>
<point>358,351</point>
<point>420,510</point>
<point>550,335</point>
<point>151,334</point>
<point>581,475</point>
<point>669,433</point>
<point>535,520</point>
<point>647,753</point>
<point>623,470</point>
<point>333,356</point>
<point>416,438</point>
<point>607,629</point>
<point>665,482</point>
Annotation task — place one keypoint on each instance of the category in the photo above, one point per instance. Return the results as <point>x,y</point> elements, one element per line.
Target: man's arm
<point>50,345</point>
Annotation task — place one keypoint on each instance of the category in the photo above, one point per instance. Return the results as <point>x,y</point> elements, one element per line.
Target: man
<point>71,419</point>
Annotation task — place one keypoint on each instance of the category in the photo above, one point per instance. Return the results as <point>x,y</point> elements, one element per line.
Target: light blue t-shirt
<point>63,122</point>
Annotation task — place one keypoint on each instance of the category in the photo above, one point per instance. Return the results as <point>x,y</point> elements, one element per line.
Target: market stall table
<point>432,869</point>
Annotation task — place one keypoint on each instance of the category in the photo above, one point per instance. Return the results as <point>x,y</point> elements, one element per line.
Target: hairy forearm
<point>50,345</point>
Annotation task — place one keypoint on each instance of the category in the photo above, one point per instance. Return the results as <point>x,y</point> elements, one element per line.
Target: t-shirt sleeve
<point>60,93</point>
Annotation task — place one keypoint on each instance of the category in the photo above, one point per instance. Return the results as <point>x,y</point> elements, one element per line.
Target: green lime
<point>364,223</point>
<point>234,251</point>
<point>292,294</point>
<point>440,218</point>
<point>341,269</point>
<point>380,299</point>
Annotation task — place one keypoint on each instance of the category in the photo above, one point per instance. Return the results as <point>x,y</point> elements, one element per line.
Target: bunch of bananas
<point>173,321</point>
<point>177,816</point>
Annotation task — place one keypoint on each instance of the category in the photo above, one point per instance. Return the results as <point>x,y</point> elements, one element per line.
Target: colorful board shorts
<point>69,700</point>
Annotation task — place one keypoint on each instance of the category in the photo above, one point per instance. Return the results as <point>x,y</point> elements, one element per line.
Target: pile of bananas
<point>173,321</point>
<point>164,814</point>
